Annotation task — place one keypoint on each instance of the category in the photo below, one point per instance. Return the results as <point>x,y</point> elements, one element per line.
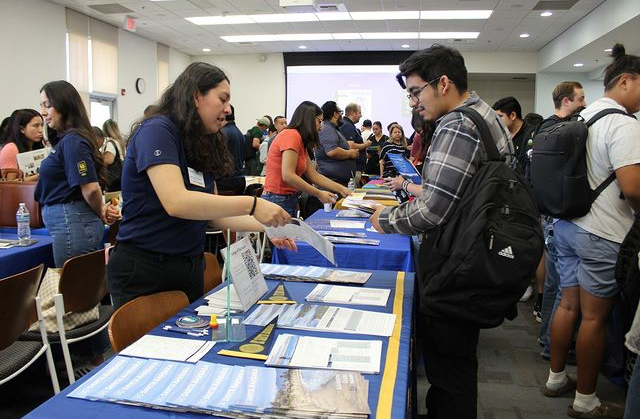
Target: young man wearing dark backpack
<point>568,98</point>
<point>464,256</point>
<point>588,241</point>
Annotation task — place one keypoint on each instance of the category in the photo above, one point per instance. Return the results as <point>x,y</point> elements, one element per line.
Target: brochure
<point>340,294</point>
<point>293,351</point>
<point>405,168</point>
<point>29,161</point>
<point>300,231</point>
<point>324,319</point>
<point>353,240</point>
<point>235,391</point>
<point>313,274</point>
<point>352,213</point>
<point>342,234</point>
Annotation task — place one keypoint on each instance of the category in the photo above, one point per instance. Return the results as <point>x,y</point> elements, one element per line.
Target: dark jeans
<point>632,406</point>
<point>451,364</point>
<point>133,272</point>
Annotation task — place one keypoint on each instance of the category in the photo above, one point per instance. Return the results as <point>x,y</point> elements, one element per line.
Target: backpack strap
<point>485,134</point>
<point>612,176</point>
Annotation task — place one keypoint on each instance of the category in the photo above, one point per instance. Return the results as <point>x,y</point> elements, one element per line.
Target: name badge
<point>195,177</point>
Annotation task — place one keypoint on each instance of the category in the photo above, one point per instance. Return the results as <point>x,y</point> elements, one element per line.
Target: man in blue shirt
<point>352,134</point>
<point>235,183</point>
<point>335,158</point>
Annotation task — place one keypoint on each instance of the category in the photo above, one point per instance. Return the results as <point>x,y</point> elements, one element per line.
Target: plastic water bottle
<point>351,185</point>
<point>23,220</point>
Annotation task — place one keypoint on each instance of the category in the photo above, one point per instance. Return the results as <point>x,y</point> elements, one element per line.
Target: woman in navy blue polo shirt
<point>167,189</point>
<point>73,208</point>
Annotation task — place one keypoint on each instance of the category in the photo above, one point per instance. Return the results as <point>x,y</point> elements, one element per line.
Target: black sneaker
<point>537,314</point>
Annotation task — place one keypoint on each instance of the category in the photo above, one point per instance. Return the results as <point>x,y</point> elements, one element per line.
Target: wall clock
<point>140,85</point>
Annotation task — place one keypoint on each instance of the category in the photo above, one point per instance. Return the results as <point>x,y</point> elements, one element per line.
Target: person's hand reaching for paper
<point>270,214</point>
<point>394,183</point>
<point>284,243</point>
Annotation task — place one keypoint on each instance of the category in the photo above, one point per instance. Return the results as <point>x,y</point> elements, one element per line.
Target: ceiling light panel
<point>220,20</point>
<point>455,14</point>
<point>333,16</point>
<point>385,15</point>
<point>389,35</point>
<point>449,35</point>
<point>284,17</point>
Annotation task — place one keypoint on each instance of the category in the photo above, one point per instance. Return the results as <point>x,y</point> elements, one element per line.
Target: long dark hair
<point>622,63</point>
<point>20,118</point>
<point>66,100</point>
<point>205,152</point>
<point>303,120</point>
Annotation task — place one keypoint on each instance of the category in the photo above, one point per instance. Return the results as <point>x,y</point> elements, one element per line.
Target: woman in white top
<point>113,152</point>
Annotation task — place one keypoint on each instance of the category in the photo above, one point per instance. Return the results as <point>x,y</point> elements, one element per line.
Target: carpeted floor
<point>511,374</point>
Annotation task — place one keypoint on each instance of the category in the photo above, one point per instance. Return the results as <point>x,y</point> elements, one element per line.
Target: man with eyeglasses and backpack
<point>482,238</point>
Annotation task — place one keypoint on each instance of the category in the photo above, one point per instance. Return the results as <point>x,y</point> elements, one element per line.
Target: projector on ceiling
<point>311,6</point>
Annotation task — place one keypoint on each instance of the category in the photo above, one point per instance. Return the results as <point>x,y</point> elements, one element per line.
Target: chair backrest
<point>82,281</point>
<point>16,174</point>
<point>13,193</point>
<point>137,317</point>
<point>212,272</point>
<point>17,296</point>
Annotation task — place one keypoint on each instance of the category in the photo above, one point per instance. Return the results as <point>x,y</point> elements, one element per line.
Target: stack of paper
<point>172,349</point>
<point>313,274</point>
<point>324,319</point>
<point>293,351</point>
<point>347,224</point>
<point>353,240</point>
<point>337,294</point>
<point>217,302</point>
<point>230,391</point>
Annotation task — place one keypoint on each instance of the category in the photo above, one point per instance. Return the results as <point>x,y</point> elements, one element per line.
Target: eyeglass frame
<point>415,94</point>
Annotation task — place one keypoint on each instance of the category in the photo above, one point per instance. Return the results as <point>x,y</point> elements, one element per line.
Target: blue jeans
<point>632,406</point>
<point>552,292</point>
<point>288,202</point>
<point>75,230</point>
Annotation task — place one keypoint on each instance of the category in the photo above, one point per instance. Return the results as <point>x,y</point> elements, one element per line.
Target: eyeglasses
<point>415,94</point>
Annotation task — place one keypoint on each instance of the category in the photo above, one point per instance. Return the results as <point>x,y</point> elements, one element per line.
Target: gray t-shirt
<point>338,170</point>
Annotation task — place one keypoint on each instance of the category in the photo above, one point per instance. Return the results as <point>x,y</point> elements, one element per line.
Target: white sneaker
<point>527,294</point>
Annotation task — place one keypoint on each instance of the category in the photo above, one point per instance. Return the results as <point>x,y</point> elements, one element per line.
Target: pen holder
<point>236,327</point>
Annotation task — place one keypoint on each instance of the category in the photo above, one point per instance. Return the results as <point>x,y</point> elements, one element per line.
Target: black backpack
<point>559,168</point>
<point>627,273</point>
<point>477,265</point>
<point>114,172</point>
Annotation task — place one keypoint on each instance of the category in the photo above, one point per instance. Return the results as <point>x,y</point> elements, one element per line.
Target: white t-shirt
<point>110,146</point>
<point>366,134</point>
<point>613,142</point>
<point>264,147</point>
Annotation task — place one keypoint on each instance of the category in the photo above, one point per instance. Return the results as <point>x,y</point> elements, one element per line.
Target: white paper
<point>324,319</point>
<point>300,231</point>
<point>29,161</point>
<point>347,224</point>
<point>172,349</point>
<point>313,274</point>
<point>218,299</point>
<point>339,294</point>
<point>293,351</point>
<point>245,273</point>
